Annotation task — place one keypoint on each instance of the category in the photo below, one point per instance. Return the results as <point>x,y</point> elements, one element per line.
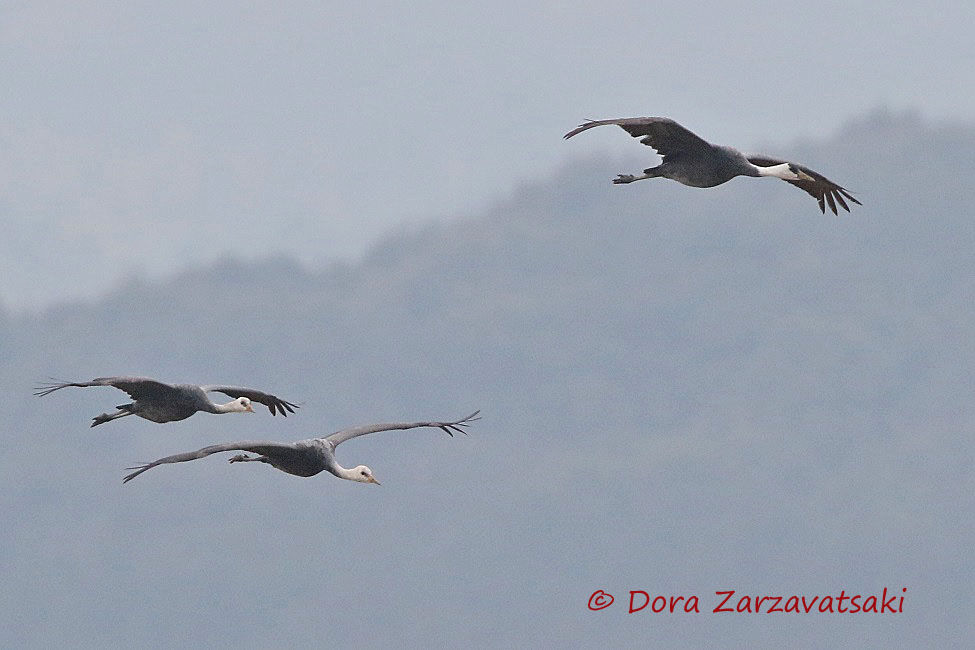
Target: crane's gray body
<point>698,169</point>
<point>180,403</point>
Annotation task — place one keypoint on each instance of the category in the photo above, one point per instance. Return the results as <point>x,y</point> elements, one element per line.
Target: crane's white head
<point>363,474</point>
<point>243,404</point>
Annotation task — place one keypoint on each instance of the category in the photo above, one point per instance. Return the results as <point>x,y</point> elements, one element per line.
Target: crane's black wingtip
<point>42,389</point>
<point>282,407</point>
<point>459,426</point>
<point>139,469</point>
<point>579,129</point>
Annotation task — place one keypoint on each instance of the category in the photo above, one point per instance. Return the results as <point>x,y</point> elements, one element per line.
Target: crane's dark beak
<point>803,176</point>
<point>249,409</point>
<point>372,479</point>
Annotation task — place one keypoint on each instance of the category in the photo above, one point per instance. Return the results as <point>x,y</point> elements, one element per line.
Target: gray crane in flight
<point>306,457</point>
<point>160,402</point>
<point>693,161</point>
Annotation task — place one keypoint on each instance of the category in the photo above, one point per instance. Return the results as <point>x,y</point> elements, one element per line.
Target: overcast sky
<point>140,137</point>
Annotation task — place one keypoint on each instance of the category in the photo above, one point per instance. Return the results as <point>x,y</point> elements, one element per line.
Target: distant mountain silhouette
<point>683,391</point>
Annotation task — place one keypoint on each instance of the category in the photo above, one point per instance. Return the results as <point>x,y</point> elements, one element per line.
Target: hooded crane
<point>693,161</point>
<point>306,457</point>
<point>159,402</point>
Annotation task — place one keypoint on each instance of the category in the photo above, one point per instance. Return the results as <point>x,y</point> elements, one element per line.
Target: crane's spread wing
<point>272,402</point>
<point>667,137</point>
<point>821,188</point>
<point>339,437</point>
<point>264,448</point>
<point>138,388</point>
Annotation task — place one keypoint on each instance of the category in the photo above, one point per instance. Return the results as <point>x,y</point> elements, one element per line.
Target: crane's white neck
<point>359,474</point>
<point>342,472</point>
<point>783,171</point>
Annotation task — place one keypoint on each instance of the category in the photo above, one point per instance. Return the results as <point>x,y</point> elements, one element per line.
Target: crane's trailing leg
<point>622,179</point>
<point>108,417</point>
<point>244,458</point>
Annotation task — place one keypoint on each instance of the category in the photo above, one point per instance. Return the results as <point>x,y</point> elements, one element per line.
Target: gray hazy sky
<point>139,138</point>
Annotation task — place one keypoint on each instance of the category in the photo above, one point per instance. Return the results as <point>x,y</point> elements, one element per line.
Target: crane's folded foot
<point>240,458</point>
<point>624,178</point>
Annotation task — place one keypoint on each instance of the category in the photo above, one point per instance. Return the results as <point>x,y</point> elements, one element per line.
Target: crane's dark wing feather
<point>457,426</point>
<point>138,388</point>
<point>821,188</point>
<point>667,137</point>
<point>264,448</point>
<point>274,404</point>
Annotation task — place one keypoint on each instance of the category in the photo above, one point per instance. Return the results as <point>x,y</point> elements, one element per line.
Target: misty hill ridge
<point>862,154</point>
<point>656,366</point>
